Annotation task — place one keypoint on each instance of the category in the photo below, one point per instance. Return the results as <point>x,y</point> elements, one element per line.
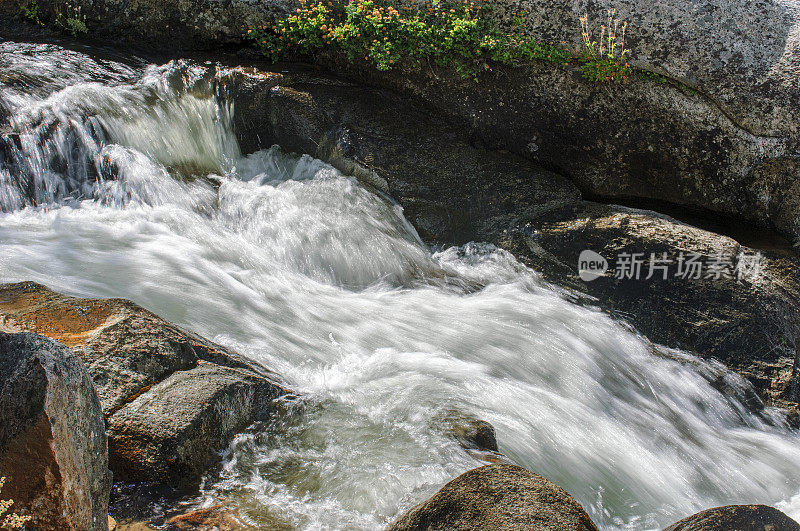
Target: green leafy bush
<point>460,35</point>
<point>455,34</point>
<point>30,11</point>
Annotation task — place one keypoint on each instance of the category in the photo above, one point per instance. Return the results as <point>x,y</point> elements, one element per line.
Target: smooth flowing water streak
<point>129,183</point>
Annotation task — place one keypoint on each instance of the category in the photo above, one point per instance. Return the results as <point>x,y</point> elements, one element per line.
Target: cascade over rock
<point>722,136</point>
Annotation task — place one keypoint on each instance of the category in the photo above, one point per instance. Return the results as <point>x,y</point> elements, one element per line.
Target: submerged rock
<point>170,398</point>
<point>475,433</point>
<point>497,497</point>
<point>737,517</point>
<point>53,447</point>
<point>471,433</point>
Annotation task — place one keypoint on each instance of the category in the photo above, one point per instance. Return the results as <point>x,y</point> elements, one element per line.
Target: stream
<point>124,179</point>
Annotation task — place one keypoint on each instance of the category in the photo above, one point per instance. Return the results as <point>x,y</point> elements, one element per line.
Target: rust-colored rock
<point>139,362</point>
<point>218,517</point>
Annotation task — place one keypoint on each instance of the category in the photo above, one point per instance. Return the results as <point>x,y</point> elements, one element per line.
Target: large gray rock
<point>723,136</point>
<point>640,139</point>
<point>53,447</point>
<point>737,518</point>
<point>497,497</point>
<point>170,398</point>
<point>744,55</point>
<point>172,431</point>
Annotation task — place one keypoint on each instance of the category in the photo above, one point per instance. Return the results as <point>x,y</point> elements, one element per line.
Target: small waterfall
<point>78,141</point>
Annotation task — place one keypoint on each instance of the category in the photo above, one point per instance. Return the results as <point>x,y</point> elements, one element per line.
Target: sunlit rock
<point>170,398</point>
<point>497,497</point>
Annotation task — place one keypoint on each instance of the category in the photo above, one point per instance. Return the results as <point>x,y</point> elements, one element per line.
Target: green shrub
<point>30,12</point>
<point>459,35</point>
<point>456,34</point>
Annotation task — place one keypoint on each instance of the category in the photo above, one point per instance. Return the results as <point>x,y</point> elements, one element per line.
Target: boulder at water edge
<point>746,319</point>
<point>497,497</point>
<point>170,398</point>
<point>737,518</point>
<point>53,446</point>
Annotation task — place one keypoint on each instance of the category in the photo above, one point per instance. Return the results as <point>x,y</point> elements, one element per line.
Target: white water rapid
<point>128,182</point>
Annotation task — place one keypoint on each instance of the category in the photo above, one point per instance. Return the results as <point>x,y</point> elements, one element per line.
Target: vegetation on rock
<point>461,35</point>
<point>604,60</point>
<point>66,17</point>
<point>30,12</point>
<point>69,18</point>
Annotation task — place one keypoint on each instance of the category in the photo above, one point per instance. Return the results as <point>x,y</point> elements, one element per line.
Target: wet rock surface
<point>502,497</point>
<point>170,398</point>
<point>53,446</point>
<point>219,517</point>
<point>739,517</point>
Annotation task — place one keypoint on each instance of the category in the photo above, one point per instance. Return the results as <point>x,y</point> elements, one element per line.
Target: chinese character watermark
<point>661,266</point>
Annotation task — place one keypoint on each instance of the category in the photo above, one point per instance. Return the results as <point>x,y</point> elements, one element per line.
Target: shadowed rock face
<point>738,517</point>
<point>497,497</point>
<point>53,447</point>
<point>450,190</point>
<point>639,139</point>
<point>170,398</point>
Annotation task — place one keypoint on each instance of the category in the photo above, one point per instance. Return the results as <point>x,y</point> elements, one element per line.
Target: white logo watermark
<point>591,265</point>
<point>692,266</point>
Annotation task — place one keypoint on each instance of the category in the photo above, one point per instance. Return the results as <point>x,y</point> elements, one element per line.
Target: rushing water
<point>127,181</point>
